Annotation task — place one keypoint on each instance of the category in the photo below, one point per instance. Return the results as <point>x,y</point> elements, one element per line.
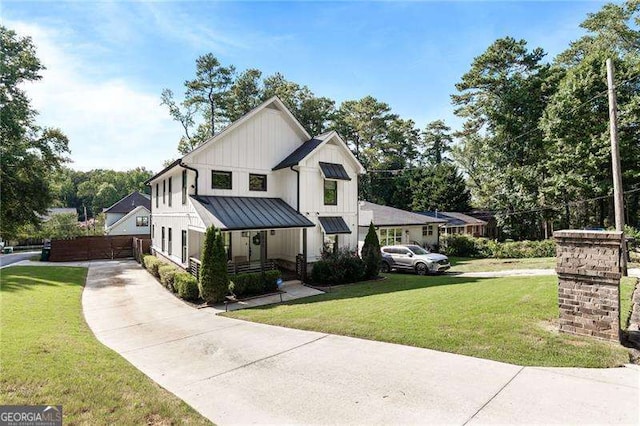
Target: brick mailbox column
<point>589,282</point>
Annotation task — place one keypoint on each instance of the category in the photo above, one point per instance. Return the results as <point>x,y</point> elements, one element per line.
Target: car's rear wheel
<point>421,269</point>
<point>385,268</point>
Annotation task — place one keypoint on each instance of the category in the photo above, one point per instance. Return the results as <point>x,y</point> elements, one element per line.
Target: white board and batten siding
<point>253,148</point>
<point>312,197</point>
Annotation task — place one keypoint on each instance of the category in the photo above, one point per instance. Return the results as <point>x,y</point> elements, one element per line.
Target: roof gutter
<point>297,187</point>
<point>181,164</point>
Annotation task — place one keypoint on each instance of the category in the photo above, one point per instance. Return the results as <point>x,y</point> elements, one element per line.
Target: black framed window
<point>220,179</point>
<point>157,195</point>
<point>162,246</point>
<point>169,243</point>
<point>184,187</point>
<point>330,193</point>
<point>184,246</point>
<point>164,191</point>
<point>142,220</point>
<point>153,231</point>
<point>170,191</point>
<point>257,182</point>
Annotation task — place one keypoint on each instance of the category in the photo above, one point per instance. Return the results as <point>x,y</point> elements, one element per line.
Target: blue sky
<point>107,62</point>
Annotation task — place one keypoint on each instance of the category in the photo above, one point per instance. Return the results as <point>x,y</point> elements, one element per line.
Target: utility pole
<point>618,201</point>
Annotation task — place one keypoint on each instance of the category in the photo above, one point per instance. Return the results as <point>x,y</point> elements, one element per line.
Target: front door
<point>254,246</point>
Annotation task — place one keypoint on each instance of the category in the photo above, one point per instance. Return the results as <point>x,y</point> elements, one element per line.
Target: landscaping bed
<point>509,319</point>
<point>50,356</point>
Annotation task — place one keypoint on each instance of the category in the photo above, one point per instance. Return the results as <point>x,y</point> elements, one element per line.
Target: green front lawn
<point>467,264</point>
<point>49,356</point>
<point>504,319</point>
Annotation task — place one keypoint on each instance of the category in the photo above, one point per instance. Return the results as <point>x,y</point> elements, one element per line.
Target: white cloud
<point>110,123</point>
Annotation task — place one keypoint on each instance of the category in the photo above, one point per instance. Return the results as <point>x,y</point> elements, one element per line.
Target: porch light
<point>272,232</point>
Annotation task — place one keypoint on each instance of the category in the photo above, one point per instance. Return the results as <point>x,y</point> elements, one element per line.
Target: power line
<point>396,172</point>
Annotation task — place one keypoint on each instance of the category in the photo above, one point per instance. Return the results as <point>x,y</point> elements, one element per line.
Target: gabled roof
<point>248,213</point>
<point>390,216</point>
<point>455,218</point>
<point>300,153</point>
<point>127,216</point>
<point>273,102</point>
<point>129,203</point>
<point>312,145</point>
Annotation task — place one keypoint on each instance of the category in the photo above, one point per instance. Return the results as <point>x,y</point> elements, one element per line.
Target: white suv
<point>413,258</point>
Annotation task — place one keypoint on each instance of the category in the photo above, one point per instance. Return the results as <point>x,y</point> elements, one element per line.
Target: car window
<point>402,251</point>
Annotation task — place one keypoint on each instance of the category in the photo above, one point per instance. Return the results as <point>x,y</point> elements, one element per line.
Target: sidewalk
<point>239,372</point>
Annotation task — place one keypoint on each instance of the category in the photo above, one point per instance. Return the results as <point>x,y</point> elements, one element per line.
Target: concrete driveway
<point>236,372</point>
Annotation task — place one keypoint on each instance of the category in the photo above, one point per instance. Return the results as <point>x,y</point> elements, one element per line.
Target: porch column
<point>304,254</point>
<point>263,249</point>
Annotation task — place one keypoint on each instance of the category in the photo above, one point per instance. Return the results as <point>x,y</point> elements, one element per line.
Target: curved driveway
<point>235,372</point>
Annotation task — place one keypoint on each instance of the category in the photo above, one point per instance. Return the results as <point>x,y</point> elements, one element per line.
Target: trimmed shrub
<point>142,260</point>
<point>467,246</point>
<point>339,267</point>
<point>186,286</point>
<point>167,273</point>
<point>253,284</point>
<point>371,253</point>
<point>214,281</point>
<point>152,263</point>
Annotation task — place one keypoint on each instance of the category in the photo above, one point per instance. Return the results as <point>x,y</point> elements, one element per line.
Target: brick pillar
<point>589,282</point>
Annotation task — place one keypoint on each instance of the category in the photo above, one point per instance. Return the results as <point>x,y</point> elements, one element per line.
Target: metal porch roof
<point>248,213</point>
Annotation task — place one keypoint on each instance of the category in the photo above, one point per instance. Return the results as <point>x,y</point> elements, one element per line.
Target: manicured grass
<point>504,319</point>
<point>49,356</point>
<point>466,264</point>
<point>627,285</point>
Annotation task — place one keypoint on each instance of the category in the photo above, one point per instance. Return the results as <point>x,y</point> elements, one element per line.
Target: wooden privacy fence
<point>98,247</point>
<point>141,246</point>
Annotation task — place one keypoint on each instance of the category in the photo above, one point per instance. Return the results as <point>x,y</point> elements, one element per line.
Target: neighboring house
<point>129,216</point>
<point>58,210</point>
<point>459,223</point>
<point>395,226</point>
<point>274,191</point>
<point>491,228</point>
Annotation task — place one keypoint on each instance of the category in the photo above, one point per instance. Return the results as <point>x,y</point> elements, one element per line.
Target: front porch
<point>255,251</point>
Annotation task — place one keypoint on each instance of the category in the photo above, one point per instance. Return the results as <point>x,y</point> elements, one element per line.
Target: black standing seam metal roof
<point>300,153</point>
<point>334,171</point>
<point>129,203</point>
<point>334,225</point>
<point>246,213</point>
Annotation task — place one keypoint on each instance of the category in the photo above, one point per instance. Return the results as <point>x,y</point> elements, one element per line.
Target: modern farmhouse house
<point>275,192</point>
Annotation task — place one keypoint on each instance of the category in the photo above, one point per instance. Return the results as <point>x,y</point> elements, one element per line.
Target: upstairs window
<point>170,192</point>
<point>142,220</point>
<point>164,192</point>
<point>257,182</point>
<point>220,179</point>
<point>157,194</point>
<point>184,187</point>
<point>330,193</point>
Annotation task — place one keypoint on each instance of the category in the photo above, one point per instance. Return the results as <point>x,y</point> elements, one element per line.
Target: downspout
<point>181,164</point>
<point>297,188</point>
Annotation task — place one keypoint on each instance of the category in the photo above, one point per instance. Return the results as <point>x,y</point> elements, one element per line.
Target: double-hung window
<point>170,192</point>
